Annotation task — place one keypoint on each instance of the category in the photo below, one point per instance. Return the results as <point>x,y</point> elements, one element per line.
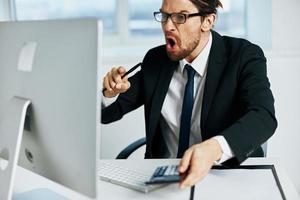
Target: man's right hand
<point>114,84</point>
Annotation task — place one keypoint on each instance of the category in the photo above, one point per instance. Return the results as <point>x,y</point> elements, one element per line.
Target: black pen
<point>132,69</point>
<point>192,193</point>
<point>128,72</point>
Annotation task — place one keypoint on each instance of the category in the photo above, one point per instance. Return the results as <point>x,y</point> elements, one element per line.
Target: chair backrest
<point>125,153</point>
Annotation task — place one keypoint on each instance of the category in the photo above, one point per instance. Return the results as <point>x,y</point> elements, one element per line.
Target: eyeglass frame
<point>186,16</point>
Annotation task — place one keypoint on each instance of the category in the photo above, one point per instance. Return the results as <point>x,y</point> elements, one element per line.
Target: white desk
<point>26,180</point>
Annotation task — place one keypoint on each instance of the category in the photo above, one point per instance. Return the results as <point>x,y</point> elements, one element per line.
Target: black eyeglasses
<point>178,18</point>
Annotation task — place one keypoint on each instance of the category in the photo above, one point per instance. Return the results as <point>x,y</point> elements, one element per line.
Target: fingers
<point>196,163</point>
<point>195,174</point>
<point>114,83</point>
<point>106,84</point>
<point>125,85</point>
<point>121,84</point>
<point>117,74</point>
<point>122,87</point>
<point>185,161</point>
<point>111,78</point>
<point>121,71</point>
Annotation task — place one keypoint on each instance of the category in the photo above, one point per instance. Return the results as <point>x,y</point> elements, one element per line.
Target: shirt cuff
<point>227,152</point>
<point>107,101</point>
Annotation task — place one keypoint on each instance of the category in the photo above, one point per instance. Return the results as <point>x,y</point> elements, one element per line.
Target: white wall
<point>284,76</point>
<point>286,25</point>
<point>284,73</point>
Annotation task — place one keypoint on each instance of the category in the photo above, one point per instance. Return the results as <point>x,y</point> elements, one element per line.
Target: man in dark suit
<point>206,97</point>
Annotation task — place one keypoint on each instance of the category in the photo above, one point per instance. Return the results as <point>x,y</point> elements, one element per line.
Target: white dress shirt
<point>171,109</point>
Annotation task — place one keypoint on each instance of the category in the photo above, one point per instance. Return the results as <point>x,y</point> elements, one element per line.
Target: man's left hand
<point>198,160</point>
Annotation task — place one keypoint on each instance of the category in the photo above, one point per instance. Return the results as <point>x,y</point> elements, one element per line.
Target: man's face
<point>181,39</point>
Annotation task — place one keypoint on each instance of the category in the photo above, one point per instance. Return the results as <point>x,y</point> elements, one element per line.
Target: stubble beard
<point>184,51</point>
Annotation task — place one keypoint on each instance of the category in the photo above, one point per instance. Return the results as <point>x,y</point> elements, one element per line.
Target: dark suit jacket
<point>237,101</point>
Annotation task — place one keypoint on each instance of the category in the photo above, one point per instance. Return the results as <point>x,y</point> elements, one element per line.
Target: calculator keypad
<point>165,174</point>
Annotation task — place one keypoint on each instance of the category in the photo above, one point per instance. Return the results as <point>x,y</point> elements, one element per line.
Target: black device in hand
<point>165,174</point>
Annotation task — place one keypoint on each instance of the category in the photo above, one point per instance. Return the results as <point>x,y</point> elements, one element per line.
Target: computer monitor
<point>55,64</point>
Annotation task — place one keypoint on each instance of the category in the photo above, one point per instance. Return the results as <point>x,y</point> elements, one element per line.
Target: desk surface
<point>26,180</point>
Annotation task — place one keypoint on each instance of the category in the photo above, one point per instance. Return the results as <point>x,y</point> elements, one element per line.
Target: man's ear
<point>208,22</point>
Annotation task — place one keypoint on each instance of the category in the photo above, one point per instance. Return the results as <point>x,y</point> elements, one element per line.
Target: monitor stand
<point>11,131</point>
<point>39,194</point>
<point>12,122</point>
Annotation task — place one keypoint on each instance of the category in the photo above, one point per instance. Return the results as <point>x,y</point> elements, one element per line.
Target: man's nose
<point>168,25</point>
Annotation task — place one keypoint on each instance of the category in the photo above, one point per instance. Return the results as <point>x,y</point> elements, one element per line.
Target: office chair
<point>264,146</point>
<point>125,153</point>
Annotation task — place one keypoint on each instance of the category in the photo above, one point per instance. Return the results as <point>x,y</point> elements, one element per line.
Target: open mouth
<point>171,43</point>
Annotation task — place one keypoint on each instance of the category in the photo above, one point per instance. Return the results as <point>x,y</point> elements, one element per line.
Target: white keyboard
<point>125,177</point>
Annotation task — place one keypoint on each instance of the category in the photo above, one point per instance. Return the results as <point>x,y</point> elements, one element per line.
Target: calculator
<point>165,174</point>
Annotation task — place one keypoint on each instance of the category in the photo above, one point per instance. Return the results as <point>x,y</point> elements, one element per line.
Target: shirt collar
<point>200,62</point>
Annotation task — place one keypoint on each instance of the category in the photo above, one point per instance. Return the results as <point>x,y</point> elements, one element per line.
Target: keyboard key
<point>125,177</point>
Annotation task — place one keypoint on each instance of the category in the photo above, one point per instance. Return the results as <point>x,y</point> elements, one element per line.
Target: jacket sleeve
<point>258,122</point>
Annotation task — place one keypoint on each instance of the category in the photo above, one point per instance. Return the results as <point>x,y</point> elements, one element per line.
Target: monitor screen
<point>55,64</point>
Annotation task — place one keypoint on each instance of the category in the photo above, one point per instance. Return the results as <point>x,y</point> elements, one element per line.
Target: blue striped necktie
<point>186,113</point>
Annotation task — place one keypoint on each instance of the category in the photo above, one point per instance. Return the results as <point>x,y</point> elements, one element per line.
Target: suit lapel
<point>216,63</point>
<point>161,89</point>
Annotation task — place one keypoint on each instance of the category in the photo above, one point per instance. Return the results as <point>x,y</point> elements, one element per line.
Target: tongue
<point>169,47</point>
<point>171,44</point>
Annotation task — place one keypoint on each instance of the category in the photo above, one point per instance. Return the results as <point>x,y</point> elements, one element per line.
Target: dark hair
<point>207,6</point>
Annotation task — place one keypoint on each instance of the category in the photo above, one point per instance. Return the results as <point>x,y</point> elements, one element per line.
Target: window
<point>139,20</point>
<point>232,18</point>
<point>59,9</point>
